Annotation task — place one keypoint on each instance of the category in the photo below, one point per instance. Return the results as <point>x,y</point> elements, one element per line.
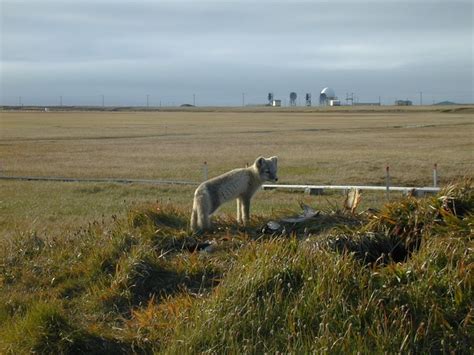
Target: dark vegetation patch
<point>400,228</point>
<point>91,190</point>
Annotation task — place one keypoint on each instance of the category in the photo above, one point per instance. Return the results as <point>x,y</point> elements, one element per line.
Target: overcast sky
<point>218,50</point>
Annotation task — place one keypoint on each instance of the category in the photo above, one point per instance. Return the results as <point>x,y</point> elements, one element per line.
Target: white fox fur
<point>240,184</point>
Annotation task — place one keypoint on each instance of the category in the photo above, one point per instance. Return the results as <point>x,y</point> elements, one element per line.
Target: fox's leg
<point>202,219</point>
<point>193,223</point>
<point>239,209</point>
<point>204,213</point>
<point>245,203</point>
<point>207,221</point>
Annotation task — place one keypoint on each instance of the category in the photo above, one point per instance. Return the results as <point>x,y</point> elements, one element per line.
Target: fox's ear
<point>259,162</point>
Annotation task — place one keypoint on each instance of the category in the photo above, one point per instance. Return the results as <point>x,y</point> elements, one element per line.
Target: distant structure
<point>270,98</point>
<point>445,103</point>
<point>368,103</point>
<point>326,96</point>
<point>276,103</point>
<point>293,97</point>
<point>308,99</point>
<point>403,103</point>
<point>350,98</point>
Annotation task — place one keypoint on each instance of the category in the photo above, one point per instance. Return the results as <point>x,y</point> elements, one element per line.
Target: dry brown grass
<point>343,146</point>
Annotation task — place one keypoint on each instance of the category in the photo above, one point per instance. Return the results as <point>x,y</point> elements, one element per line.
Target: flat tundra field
<point>340,146</point>
<point>314,147</point>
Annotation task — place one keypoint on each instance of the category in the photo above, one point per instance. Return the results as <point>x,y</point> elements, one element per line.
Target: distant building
<point>326,95</point>
<point>403,103</point>
<point>334,103</point>
<point>276,103</point>
<point>366,104</point>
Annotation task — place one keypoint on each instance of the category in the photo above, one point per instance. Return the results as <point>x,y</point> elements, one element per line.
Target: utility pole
<point>60,100</point>
<point>103,100</point>
<point>19,101</point>
<point>194,99</point>
<point>350,98</point>
<point>243,99</point>
<point>421,98</point>
<point>147,100</point>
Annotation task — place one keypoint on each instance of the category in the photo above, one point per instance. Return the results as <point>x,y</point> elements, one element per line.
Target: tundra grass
<point>395,280</point>
<point>319,147</point>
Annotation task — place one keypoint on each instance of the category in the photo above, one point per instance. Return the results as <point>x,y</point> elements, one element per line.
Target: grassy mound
<point>396,280</point>
<point>282,297</point>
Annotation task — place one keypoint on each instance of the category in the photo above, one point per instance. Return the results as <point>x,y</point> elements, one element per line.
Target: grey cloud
<point>223,48</point>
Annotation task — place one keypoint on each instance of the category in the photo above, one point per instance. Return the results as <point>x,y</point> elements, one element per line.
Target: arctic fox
<point>240,184</point>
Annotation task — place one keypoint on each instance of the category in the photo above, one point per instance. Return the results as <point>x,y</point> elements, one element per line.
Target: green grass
<point>396,280</point>
<point>54,207</point>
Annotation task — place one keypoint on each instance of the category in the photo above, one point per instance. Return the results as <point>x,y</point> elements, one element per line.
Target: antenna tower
<point>270,98</point>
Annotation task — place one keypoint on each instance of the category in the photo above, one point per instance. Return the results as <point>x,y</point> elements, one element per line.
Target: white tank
<point>330,94</point>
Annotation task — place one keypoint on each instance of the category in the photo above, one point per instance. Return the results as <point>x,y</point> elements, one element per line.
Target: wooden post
<point>387,181</point>
<point>205,171</point>
<point>435,175</point>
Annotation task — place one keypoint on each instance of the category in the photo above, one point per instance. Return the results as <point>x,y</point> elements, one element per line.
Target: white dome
<point>328,92</point>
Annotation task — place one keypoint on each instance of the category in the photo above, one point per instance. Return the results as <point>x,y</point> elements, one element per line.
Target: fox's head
<point>267,168</point>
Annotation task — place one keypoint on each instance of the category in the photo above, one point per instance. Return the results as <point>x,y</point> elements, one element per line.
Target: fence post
<point>387,181</point>
<point>205,171</point>
<point>435,175</point>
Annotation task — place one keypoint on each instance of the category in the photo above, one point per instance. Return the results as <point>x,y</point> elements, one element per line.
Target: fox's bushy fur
<point>240,184</point>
